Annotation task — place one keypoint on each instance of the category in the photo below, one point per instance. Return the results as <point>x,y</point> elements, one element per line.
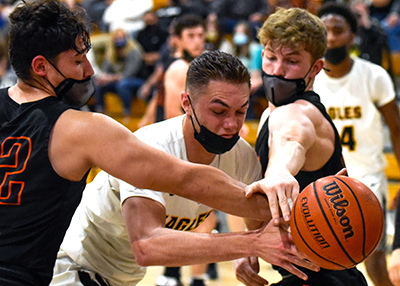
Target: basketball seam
<point>362,215</point>
<point>301,236</point>
<point>330,226</point>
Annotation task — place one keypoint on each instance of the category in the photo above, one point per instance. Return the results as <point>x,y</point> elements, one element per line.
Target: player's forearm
<point>286,154</point>
<point>214,188</point>
<point>176,248</point>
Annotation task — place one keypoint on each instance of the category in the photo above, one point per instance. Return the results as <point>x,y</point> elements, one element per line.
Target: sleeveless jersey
<point>348,277</point>
<point>36,204</point>
<point>334,164</point>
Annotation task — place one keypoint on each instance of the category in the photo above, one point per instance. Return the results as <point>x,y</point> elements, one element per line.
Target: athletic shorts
<point>67,272</point>
<point>379,186</point>
<point>348,277</point>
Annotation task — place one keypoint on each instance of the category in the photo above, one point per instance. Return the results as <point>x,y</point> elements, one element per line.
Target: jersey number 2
<point>13,160</point>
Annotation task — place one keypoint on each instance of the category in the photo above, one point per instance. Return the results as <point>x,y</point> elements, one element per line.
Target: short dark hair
<point>44,27</point>
<point>186,21</point>
<point>214,65</point>
<point>341,10</point>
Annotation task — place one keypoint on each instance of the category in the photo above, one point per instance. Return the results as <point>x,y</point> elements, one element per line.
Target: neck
<point>339,70</point>
<point>24,92</point>
<point>195,152</point>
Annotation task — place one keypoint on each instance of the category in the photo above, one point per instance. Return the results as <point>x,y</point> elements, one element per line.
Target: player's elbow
<point>143,254</point>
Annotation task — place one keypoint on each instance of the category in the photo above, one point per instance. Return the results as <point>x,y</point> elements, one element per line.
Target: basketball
<point>337,222</point>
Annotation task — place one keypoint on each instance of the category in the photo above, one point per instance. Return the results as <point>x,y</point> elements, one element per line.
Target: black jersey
<point>348,277</point>
<point>334,164</point>
<point>36,204</point>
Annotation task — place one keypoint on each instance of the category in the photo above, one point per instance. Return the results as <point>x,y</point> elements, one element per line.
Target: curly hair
<point>295,28</point>
<point>44,27</point>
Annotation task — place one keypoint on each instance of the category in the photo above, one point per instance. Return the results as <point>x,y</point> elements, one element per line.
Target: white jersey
<point>97,238</point>
<point>352,101</point>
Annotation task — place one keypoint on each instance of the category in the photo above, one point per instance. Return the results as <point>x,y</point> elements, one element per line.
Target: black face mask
<point>75,93</point>
<point>280,90</point>
<point>212,142</point>
<point>336,55</point>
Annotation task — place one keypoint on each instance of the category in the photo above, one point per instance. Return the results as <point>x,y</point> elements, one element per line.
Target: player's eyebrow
<point>218,101</point>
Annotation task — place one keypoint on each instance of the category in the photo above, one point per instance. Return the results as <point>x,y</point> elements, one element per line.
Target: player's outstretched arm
<point>83,139</point>
<point>153,244</point>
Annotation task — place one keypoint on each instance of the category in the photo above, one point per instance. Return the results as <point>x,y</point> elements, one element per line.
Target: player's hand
<point>276,247</point>
<point>282,190</point>
<point>394,267</point>
<point>342,172</point>
<point>247,270</point>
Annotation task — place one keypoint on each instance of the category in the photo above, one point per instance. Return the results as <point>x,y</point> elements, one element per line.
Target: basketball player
<point>190,33</point>
<point>297,140</point>
<point>358,95</point>
<point>48,148</point>
<point>117,227</point>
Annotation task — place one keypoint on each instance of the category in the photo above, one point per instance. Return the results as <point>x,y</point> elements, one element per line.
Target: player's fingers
<point>251,279</point>
<point>294,270</point>
<point>342,172</point>
<point>274,207</point>
<point>284,206</point>
<point>252,189</point>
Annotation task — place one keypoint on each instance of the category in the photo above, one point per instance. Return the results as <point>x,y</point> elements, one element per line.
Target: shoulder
<point>179,66</point>
<point>163,133</point>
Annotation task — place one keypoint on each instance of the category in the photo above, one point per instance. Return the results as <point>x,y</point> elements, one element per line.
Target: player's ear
<point>318,65</point>
<point>39,65</point>
<point>185,103</point>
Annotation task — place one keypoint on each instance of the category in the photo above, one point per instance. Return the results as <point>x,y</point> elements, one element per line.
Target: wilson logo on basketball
<point>311,225</point>
<point>333,191</point>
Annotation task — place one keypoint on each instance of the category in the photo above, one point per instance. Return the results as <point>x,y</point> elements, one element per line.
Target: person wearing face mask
<point>360,98</point>
<point>49,147</point>
<point>112,242</point>
<point>297,141</point>
<point>120,72</point>
<point>248,50</point>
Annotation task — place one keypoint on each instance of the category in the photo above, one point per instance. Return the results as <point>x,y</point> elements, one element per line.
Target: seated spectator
<point>151,38</point>
<point>119,72</point>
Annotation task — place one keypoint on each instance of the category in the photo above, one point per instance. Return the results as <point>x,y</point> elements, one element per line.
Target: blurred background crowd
<point>132,42</point>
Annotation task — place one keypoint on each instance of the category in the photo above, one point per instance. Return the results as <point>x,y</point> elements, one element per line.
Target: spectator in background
<point>388,13</point>
<point>95,10</point>
<point>229,12</point>
<point>126,14</point>
<point>249,51</point>
<point>215,37</point>
<point>119,72</point>
<point>178,8</point>
<point>154,86</point>
<point>370,42</point>
<point>151,38</point>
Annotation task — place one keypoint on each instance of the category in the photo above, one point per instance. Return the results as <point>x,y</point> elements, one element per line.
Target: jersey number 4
<point>347,138</point>
<point>13,160</point>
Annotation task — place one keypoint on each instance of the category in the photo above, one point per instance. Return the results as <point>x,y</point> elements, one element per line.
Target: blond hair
<point>297,29</point>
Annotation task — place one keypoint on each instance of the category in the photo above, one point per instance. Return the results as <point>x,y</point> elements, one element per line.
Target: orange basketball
<point>337,222</point>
